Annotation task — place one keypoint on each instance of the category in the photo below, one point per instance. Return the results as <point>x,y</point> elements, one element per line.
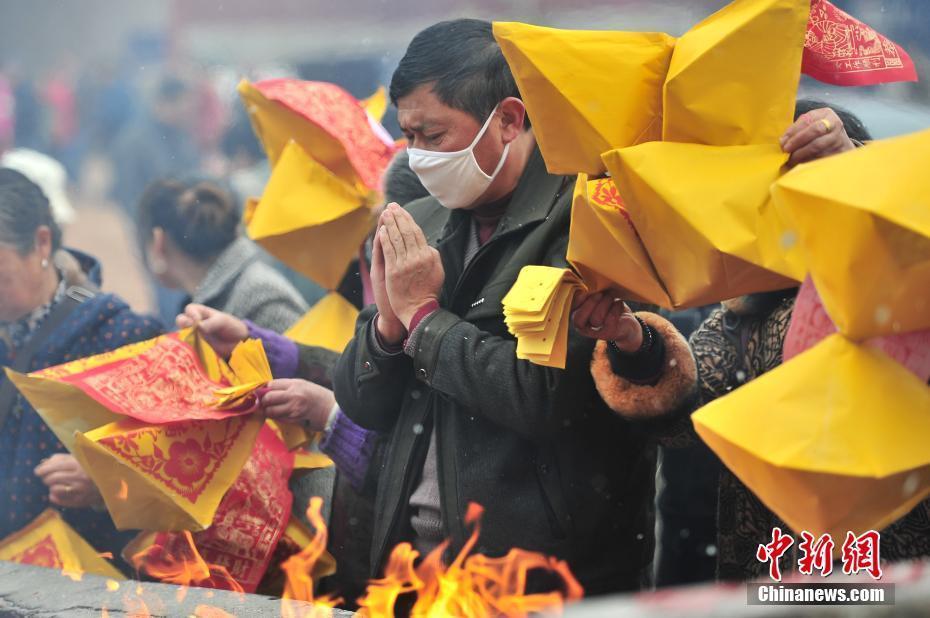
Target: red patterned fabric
<point>249,521</point>
<point>341,115</point>
<point>841,50</point>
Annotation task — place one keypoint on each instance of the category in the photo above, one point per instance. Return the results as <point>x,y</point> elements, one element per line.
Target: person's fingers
<point>394,237</point>
<point>821,146</point>
<point>280,411</point>
<point>810,127</point>
<point>583,313</point>
<point>799,125</point>
<point>275,398</point>
<point>54,463</point>
<point>387,247</point>
<point>413,234</point>
<point>183,321</point>
<point>599,314</point>
<point>63,477</point>
<point>377,253</point>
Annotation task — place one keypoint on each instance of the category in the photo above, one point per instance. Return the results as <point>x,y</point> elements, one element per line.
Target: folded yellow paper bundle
<point>844,427</point>
<point>536,312</point>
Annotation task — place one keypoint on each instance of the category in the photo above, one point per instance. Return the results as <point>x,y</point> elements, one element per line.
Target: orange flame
<point>298,571</point>
<point>472,586</point>
<point>123,493</point>
<point>184,568</point>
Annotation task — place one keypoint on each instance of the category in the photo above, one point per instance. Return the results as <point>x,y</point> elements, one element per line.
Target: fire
<point>298,570</point>
<point>186,568</point>
<point>473,585</point>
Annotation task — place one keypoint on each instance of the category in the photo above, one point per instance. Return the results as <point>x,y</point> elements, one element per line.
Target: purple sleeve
<point>281,351</point>
<point>350,447</point>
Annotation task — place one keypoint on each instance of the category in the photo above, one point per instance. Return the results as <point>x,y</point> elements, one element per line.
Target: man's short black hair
<point>463,62</point>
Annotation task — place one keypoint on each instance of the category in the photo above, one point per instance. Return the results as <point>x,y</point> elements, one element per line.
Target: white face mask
<point>455,178</point>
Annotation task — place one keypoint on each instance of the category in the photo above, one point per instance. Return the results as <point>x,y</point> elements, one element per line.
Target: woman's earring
<point>44,262</point>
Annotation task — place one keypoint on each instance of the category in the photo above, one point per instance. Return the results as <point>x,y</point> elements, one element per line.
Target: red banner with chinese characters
<point>841,50</point>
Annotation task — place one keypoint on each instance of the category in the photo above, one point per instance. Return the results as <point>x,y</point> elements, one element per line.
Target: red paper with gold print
<point>166,477</point>
<point>165,383</point>
<point>839,49</point>
<point>48,541</point>
<point>251,518</point>
<point>337,112</point>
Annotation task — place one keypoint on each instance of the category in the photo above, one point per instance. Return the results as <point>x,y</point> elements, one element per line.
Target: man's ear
<point>513,118</point>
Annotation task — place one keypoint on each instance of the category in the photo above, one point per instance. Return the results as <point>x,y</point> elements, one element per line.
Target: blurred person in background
<point>51,312</point>
<point>156,144</point>
<point>189,233</point>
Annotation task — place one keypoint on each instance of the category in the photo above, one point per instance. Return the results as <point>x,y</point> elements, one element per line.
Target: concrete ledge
<point>37,592</point>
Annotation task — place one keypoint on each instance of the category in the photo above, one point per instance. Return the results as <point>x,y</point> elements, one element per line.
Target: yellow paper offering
<point>310,219</point>
<point>537,310</point>
<point>587,91</point>
<point>166,477</point>
<point>50,542</point>
<point>700,225</point>
<point>163,427</point>
<point>865,216</point>
<point>329,324</point>
<point>733,77</point>
<point>599,220</point>
<point>834,440</point>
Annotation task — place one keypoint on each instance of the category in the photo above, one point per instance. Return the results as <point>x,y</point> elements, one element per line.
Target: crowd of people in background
<point>428,408</point>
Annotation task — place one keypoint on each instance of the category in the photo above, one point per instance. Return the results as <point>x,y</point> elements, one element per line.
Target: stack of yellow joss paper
<point>534,310</point>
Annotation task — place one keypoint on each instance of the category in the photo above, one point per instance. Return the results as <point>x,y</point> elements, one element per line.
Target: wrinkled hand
<point>222,331</point>
<point>603,315</point>
<point>298,401</point>
<point>67,483</point>
<point>390,328</point>
<point>413,270</point>
<point>818,133</point>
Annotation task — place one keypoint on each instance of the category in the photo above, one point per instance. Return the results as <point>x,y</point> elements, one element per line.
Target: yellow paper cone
<point>604,247</point>
<point>732,78</point>
<point>169,477</point>
<point>862,220</point>
<point>587,91</point>
<point>310,219</point>
<point>328,123</point>
<point>807,440</point>
<point>329,324</point>
<point>701,228</point>
<point>50,542</point>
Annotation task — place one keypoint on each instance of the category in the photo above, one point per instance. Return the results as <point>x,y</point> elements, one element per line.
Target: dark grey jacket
<point>555,469</point>
<point>243,285</point>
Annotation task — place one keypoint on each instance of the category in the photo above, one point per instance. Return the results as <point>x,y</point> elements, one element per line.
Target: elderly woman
<point>51,312</point>
<point>189,230</point>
